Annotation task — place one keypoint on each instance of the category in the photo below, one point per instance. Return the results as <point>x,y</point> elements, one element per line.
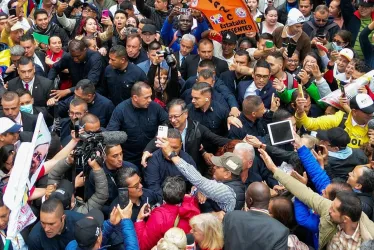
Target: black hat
<point>64,192</point>
<point>229,37</point>
<point>150,28</point>
<point>92,7</point>
<point>366,3</point>
<point>337,137</point>
<point>87,230</point>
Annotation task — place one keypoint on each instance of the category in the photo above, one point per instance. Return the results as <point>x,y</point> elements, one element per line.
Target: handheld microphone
<point>371,126</point>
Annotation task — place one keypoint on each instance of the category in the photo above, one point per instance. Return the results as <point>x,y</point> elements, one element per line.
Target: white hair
<point>246,148</point>
<point>189,37</point>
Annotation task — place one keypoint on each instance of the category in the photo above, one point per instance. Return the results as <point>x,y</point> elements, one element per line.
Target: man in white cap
<point>293,33</point>
<point>9,131</point>
<point>12,32</point>
<point>339,62</point>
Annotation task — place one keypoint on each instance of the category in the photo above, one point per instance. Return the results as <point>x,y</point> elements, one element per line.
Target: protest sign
<point>227,15</point>
<point>28,163</point>
<point>351,90</point>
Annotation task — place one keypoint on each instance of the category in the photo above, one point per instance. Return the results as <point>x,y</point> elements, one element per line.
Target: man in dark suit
<point>39,87</point>
<point>186,47</point>
<point>38,57</point>
<point>205,51</point>
<point>260,86</point>
<point>11,109</point>
<point>266,233</point>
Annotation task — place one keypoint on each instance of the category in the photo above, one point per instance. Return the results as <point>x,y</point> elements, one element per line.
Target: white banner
<point>351,90</point>
<point>29,161</point>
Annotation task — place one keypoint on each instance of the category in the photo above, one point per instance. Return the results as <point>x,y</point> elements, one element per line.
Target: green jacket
<point>312,90</point>
<point>327,229</point>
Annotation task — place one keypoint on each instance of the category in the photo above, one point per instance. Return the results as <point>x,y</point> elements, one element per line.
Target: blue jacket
<point>265,93</point>
<point>304,216</point>
<point>158,168</point>
<point>141,126</point>
<point>167,34</point>
<point>128,232</point>
<point>101,106</point>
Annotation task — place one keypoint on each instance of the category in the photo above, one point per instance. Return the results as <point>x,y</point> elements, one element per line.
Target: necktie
<point>257,92</point>
<point>27,86</point>
<point>182,60</point>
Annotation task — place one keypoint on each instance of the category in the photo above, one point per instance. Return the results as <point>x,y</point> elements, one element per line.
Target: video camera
<point>168,55</point>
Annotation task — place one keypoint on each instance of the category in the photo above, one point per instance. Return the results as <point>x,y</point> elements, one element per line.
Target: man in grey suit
<point>255,229</point>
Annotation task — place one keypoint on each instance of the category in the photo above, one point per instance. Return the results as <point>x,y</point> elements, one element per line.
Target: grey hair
<point>174,134</point>
<point>247,148</point>
<point>17,50</point>
<point>189,37</point>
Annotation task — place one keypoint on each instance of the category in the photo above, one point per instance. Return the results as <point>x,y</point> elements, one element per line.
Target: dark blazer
<point>40,91</point>
<point>266,232</point>
<point>28,121</point>
<point>265,94</point>
<point>189,66</point>
<point>41,57</point>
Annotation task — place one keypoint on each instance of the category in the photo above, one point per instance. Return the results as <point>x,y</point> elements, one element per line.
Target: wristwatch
<point>172,154</point>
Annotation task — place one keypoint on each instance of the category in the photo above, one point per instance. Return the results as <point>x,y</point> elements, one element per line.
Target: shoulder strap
<point>331,25</point>
<point>176,222</point>
<point>311,25</point>
<point>175,38</point>
<point>289,80</point>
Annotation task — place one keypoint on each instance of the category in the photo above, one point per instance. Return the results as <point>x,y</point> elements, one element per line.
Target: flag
<point>227,15</point>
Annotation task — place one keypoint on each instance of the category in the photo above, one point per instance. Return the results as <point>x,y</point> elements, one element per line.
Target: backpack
<point>318,30</point>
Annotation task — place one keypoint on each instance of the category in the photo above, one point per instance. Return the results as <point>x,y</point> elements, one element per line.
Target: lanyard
<point>2,233</point>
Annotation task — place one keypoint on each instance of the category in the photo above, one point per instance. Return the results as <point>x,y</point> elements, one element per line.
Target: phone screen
<point>12,12</point>
<point>105,13</point>
<point>123,197</point>
<point>76,129</point>
<point>342,90</point>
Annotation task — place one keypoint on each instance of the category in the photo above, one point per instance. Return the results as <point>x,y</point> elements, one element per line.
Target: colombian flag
<point>28,7</point>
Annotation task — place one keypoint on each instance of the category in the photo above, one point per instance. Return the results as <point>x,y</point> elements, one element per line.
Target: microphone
<point>371,126</point>
<point>114,137</point>
<point>107,137</point>
<point>190,242</point>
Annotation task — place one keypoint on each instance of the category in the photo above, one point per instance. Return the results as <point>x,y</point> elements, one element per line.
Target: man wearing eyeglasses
<point>320,28</point>
<point>260,86</point>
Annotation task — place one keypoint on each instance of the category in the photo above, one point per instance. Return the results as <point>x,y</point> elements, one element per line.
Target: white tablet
<point>281,132</point>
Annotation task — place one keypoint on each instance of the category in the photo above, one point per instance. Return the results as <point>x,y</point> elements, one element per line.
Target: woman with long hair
<point>90,27</point>
<point>207,232</point>
<point>271,21</point>
<point>7,157</point>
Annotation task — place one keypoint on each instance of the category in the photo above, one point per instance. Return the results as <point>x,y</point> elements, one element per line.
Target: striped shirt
<point>222,194</point>
<point>341,240</point>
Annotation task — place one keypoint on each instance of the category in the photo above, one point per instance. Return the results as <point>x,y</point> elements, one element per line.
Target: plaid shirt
<point>347,242</point>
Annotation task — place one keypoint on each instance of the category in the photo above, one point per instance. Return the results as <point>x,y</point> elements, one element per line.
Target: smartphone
<point>291,47</point>
<point>319,148</point>
<point>185,11</point>
<point>147,208</point>
<point>105,13</point>
<point>162,131</point>
<point>76,129</point>
<point>12,12</point>
<point>123,197</point>
<point>342,90</point>
<point>321,36</point>
<point>269,44</point>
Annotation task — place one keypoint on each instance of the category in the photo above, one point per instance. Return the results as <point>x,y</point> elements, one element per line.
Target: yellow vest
<point>358,134</point>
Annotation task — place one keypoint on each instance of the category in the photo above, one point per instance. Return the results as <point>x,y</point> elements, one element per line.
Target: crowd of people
<point>214,180</point>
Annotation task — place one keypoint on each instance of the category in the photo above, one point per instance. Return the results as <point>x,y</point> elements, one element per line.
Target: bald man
<point>266,233</point>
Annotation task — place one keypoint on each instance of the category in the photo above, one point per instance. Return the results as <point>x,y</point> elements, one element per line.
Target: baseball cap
<point>229,37</point>
<point>337,137</point>
<point>294,17</point>
<point>8,126</point>
<point>366,3</point>
<point>92,7</point>
<point>16,26</point>
<point>229,161</point>
<point>362,102</point>
<point>347,53</point>
<point>150,28</point>
<point>64,192</point>
<point>87,230</point>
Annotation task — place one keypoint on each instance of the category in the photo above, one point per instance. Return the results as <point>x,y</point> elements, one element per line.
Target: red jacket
<point>162,219</point>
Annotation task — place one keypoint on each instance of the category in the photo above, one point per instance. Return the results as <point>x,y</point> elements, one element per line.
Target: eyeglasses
<point>136,186</point>
<point>175,116</point>
<point>293,61</point>
<point>88,10</point>
<point>338,42</point>
<point>321,20</point>
<point>78,114</point>
<point>262,76</point>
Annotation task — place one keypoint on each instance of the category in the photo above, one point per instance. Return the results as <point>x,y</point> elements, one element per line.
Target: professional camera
<point>87,148</point>
<point>168,55</point>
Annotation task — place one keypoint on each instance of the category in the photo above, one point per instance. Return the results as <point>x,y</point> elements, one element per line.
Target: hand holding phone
<point>105,13</point>
<point>123,197</point>
<point>147,209</point>
<point>342,90</point>
<point>76,129</point>
<point>162,131</point>
<point>12,12</point>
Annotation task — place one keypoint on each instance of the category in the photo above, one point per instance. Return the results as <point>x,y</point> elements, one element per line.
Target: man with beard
<point>172,38</point>
<point>44,27</point>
